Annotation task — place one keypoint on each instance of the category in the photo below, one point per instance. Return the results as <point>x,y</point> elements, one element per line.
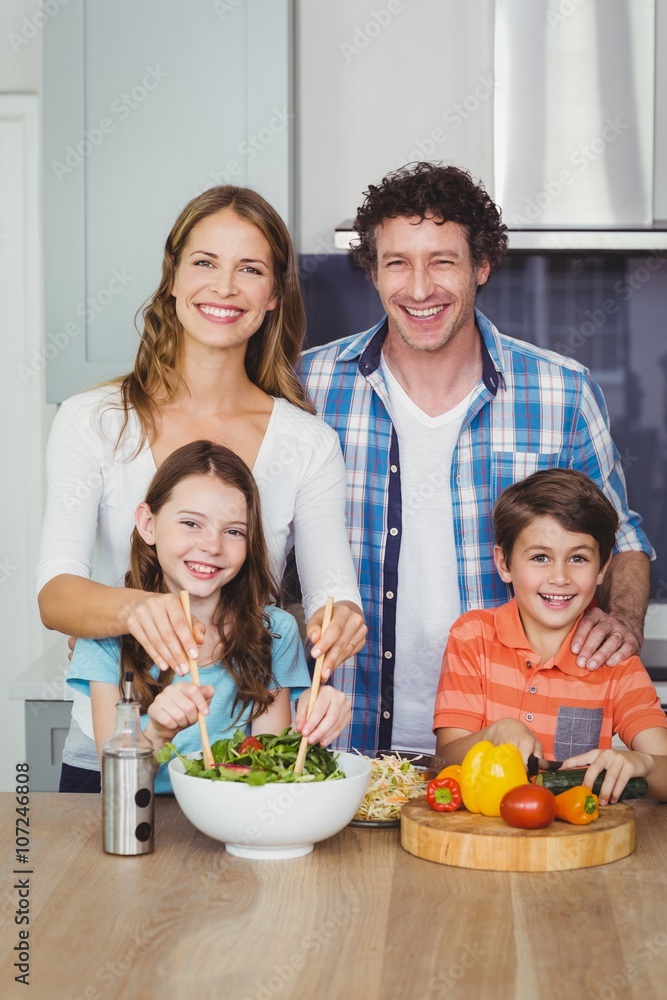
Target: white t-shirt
<point>428,600</point>
<point>94,489</point>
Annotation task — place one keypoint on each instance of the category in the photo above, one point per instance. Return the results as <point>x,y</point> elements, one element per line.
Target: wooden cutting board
<point>467,840</point>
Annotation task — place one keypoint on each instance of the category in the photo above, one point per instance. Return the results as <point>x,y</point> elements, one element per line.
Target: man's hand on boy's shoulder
<point>607,637</point>
<point>605,640</point>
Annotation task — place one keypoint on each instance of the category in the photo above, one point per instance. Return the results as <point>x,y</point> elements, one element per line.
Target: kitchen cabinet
<point>146,105</point>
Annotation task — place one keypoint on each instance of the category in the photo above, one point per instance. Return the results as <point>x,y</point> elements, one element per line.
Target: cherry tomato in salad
<point>528,807</point>
<point>249,743</point>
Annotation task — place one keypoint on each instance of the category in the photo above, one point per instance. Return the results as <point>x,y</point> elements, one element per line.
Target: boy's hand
<point>513,731</point>
<point>176,708</point>
<point>329,717</point>
<point>620,765</point>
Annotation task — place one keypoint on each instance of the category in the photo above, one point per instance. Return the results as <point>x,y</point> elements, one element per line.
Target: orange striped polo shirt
<point>489,672</point>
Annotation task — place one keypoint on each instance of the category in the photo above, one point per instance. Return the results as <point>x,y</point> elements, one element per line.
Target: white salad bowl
<point>278,820</point>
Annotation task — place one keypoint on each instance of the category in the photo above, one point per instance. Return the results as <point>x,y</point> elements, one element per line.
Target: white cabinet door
<point>147,103</point>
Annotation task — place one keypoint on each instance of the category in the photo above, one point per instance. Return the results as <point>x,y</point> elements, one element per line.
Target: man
<point>437,412</point>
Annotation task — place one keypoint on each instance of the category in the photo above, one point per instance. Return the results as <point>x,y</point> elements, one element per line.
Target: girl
<point>199,529</point>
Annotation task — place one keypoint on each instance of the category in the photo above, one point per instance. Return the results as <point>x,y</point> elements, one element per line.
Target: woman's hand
<point>176,708</point>
<point>158,622</point>
<point>330,715</point>
<point>344,637</point>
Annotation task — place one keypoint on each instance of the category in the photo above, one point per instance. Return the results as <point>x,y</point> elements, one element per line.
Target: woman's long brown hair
<point>239,618</point>
<point>272,351</point>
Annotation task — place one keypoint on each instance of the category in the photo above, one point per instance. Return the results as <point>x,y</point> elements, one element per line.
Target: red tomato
<point>528,807</point>
<point>249,743</point>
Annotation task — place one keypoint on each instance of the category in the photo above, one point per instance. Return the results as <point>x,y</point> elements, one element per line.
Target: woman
<point>221,335</point>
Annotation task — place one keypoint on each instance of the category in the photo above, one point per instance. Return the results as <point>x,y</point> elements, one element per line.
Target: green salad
<point>259,760</point>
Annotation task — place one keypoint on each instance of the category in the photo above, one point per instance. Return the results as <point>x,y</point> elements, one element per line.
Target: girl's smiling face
<point>554,573</point>
<point>200,535</point>
<point>224,283</point>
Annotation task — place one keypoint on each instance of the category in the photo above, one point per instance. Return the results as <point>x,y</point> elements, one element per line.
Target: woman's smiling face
<point>224,283</point>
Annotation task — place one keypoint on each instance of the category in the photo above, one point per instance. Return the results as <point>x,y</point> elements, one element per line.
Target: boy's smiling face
<point>554,573</point>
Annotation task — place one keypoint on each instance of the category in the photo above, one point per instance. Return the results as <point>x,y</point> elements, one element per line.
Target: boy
<point>508,673</point>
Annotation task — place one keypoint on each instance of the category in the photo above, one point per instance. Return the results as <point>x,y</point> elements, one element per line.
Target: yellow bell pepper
<point>487,772</point>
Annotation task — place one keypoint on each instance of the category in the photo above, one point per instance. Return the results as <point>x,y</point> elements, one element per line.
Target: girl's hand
<point>620,765</point>
<point>157,621</point>
<point>176,708</point>
<point>330,715</point>
<point>345,636</point>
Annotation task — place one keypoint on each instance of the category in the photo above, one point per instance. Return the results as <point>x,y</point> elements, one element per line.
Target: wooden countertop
<point>358,919</point>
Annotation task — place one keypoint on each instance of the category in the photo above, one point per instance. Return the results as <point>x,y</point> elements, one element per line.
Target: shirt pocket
<point>511,466</point>
<point>577,731</point>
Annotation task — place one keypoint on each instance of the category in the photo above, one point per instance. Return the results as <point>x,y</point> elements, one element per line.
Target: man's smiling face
<point>426,280</point>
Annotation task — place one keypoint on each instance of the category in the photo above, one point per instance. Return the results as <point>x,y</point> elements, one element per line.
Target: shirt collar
<point>368,348</point>
<point>510,632</point>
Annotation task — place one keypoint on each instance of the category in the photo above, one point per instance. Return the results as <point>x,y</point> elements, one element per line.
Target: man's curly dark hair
<point>421,189</point>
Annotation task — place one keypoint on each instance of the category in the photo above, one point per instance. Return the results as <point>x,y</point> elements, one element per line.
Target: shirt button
<point>389,594</point>
<point>528,664</point>
<point>393,531</point>
<point>388,655</point>
<point>386,715</point>
<point>394,468</point>
<point>530,717</point>
<point>532,690</point>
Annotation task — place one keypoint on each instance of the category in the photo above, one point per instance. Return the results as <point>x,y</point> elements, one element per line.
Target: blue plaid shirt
<point>531,410</point>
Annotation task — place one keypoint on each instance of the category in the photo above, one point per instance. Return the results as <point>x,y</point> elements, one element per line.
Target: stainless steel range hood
<point>574,143</point>
<point>580,125</point>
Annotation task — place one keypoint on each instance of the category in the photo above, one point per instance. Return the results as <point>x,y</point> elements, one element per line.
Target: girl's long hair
<point>239,618</point>
<point>272,351</point>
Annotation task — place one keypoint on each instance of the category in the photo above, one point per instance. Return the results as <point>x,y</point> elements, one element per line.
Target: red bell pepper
<point>444,794</point>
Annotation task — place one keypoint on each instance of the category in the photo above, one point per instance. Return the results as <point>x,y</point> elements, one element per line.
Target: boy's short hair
<point>568,496</point>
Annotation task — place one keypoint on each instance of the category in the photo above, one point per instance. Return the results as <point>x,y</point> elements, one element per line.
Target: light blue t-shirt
<point>99,660</point>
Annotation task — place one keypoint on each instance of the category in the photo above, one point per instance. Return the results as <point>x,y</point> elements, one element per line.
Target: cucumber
<point>560,781</point>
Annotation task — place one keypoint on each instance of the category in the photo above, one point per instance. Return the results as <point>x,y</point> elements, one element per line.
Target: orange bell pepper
<point>452,771</point>
<point>577,805</point>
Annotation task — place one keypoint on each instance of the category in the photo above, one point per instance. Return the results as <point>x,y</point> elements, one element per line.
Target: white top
<point>94,489</point>
<point>424,612</point>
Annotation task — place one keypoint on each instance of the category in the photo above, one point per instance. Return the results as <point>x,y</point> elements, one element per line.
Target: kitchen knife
<point>536,764</point>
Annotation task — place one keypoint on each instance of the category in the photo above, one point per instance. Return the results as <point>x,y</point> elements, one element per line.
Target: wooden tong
<point>194,673</point>
<point>314,690</point>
